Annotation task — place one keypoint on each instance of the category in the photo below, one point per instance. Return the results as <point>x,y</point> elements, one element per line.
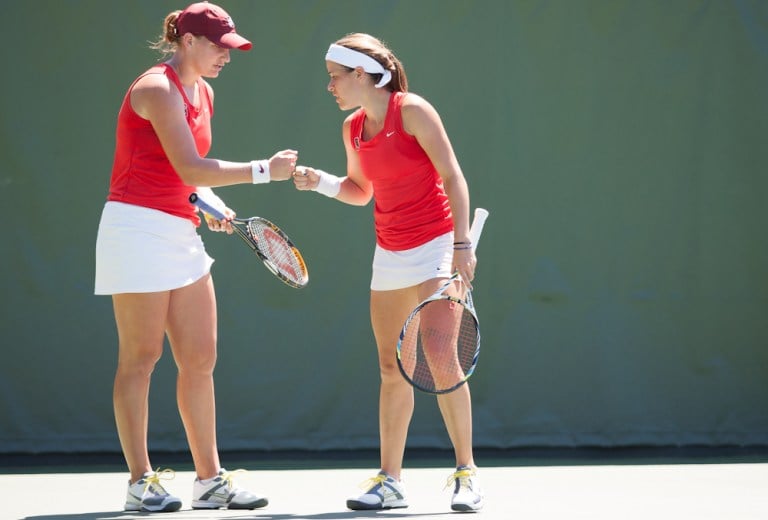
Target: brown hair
<point>169,39</point>
<point>376,49</point>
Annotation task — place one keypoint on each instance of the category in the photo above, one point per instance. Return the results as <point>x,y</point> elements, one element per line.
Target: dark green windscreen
<point>622,283</point>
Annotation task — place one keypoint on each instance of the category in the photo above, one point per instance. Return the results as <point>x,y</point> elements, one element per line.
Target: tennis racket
<point>440,342</point>
<point>269,242</point>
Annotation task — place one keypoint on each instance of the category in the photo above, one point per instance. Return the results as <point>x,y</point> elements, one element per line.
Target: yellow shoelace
<point>154,479</point>
<point>227,475</point>
<point>371,482</point>
<point>459,475</point>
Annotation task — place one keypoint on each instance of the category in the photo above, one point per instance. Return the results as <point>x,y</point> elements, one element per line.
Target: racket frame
<point>469,306</point>
<point>475,231</point>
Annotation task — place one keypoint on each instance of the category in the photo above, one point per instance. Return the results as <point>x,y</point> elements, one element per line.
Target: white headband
<point>353,59</point>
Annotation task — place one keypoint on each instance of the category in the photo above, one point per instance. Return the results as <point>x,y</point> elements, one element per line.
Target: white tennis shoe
<point>147,494</point>
<point>383,492</point>
<point>220,491</point>
<point>467,493</point>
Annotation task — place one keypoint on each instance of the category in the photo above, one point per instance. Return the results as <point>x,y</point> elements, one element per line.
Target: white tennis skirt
<point>400,269</point>
<point>145,250</point>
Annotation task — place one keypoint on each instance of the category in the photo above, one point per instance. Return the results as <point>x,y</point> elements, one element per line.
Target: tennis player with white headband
<point>353,59</point>
<point>399,153</point>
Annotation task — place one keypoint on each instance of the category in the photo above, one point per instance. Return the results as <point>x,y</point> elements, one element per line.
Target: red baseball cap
<point>213,22</point>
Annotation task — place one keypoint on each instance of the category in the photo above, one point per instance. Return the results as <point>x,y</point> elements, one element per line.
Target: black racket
<point>268,241</point>
<point>440,342</point>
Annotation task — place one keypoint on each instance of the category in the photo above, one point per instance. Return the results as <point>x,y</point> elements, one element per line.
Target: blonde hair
<point>169,39</point>
<point>376,49</point>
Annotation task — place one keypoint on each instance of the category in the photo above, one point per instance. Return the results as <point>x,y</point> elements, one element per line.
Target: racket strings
<point>439,346</point>
<point>278,251</point>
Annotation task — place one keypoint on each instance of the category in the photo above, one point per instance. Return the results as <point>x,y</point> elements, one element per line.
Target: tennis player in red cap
<point>150,258</point>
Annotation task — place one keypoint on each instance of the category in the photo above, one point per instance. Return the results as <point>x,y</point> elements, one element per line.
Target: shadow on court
<point>340,515</point>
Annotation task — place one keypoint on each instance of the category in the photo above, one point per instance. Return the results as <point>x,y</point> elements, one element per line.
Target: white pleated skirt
<point>400,269</point>
<point>141,250</point>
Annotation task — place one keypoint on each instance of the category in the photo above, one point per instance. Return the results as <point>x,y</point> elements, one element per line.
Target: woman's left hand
<point>220,225</point>
<point>464,261</point>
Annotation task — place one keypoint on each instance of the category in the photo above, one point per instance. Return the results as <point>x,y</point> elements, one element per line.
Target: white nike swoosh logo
<point>389,134</point>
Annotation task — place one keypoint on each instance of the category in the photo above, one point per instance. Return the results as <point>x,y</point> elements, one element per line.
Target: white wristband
<point>260,171</point>
<point>329,185</point>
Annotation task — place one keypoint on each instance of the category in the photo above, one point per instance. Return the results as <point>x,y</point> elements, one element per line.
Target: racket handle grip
<point>200,203</point>
<point>477,226</point>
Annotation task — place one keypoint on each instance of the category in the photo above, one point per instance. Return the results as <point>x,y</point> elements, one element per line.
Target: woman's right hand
<point>305,178</point>
<point>224,224</point>
<point>282,165</point>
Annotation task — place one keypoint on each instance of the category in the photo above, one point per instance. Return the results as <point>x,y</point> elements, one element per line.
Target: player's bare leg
<point>140,322</point>
<point>192,335</point>
<point>389,310</point>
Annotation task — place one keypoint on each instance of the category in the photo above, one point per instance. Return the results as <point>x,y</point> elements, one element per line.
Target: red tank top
<point>141,172</point>
<point>411,206</point>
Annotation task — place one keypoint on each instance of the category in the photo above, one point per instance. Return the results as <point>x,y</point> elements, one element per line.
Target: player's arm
<point>356,189</point>
<point>353,189</point>
<point>422,121</point>
<point>156,99</point>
